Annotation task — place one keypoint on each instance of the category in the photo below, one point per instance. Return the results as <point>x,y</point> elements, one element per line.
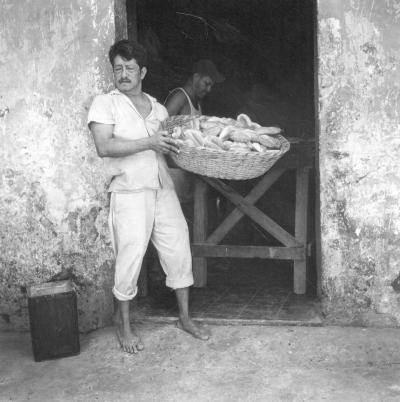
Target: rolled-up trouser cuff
<point>181,283</point>
<point>121,297</point>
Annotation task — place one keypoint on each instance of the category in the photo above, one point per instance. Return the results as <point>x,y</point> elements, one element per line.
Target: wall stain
<point>339,155</point>
<point>396,284</point>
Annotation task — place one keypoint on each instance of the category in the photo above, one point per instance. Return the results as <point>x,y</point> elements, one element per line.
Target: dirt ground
<point>239,363</point>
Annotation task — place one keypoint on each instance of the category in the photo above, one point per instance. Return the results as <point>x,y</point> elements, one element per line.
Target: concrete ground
<point>239,363</point>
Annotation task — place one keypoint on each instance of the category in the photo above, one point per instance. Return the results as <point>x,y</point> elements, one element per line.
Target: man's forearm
<point>115,147</point>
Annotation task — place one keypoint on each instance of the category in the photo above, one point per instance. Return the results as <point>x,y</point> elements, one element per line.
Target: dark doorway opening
<point>265,49</point>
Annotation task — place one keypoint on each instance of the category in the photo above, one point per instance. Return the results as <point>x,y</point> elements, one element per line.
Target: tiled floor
<point>236,290</point>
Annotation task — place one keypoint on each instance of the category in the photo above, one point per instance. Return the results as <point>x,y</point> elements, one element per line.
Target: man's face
<point>203,85</point>
<point>127,74</point>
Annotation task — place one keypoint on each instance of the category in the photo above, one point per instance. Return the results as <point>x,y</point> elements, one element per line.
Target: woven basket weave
<point>222,164</point>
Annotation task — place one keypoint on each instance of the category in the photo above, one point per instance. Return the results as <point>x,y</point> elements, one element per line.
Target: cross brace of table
<point>294,247</point>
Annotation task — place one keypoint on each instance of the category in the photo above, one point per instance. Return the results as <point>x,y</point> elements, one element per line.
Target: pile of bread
<point>226,134</point>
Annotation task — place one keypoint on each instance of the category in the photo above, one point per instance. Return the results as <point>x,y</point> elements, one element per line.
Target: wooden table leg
<point>200,231</point>
<point>300,266</point>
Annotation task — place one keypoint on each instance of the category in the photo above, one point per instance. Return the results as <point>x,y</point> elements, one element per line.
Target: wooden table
<point>294,247</point>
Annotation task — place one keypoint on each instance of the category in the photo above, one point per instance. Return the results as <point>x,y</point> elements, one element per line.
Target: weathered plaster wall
<point>53,214</point>
<point>359,81</point>
<point>52,191</point>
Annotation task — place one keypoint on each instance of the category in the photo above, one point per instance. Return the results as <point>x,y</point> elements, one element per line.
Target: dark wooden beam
<point>200,231</point>
<point>300,267</point>
<point>278,253</point>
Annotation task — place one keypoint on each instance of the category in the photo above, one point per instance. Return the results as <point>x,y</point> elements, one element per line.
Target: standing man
<point>187,100</point>
<point>143,205</point>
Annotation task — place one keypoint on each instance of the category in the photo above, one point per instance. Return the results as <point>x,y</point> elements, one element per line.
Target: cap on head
<point>207,67</point>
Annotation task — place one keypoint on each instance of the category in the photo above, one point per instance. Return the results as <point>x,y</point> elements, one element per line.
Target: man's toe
<point>208,332</point>
<point>200,333</point>
<point>204,336</point>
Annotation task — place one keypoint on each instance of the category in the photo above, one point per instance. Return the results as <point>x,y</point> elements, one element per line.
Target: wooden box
<point>53,320</point>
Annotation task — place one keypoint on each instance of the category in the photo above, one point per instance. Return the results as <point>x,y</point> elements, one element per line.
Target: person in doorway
<point>187,100</point>
<point>143,204</point>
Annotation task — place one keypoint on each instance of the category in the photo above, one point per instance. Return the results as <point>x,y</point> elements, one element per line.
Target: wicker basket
<point>223,164</point>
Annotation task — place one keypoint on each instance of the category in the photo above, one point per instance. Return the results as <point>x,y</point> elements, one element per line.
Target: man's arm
<point>107,146</point>
<point>175,103</point>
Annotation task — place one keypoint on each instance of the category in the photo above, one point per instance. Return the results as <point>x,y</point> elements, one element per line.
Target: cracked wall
<point>359,81</point>
<point>53,205</point>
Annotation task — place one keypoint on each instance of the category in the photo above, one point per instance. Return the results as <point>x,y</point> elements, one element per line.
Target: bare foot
<point>193,329</point>
<point>128,339</point>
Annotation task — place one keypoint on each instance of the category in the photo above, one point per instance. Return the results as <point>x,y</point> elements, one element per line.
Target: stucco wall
<point>359,81</point>
<point>53,213</point>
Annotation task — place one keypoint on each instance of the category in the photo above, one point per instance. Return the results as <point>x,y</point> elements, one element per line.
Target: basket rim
<point>229,152</point>
<point>285,146</point>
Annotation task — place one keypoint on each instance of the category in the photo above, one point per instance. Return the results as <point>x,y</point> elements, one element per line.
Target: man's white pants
<point>136,218</point>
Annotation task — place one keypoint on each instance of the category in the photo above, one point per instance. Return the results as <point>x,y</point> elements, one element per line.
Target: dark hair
<point>129,50</point>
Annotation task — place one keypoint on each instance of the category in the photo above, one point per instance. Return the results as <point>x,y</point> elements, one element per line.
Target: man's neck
<point>135,97</point>
<point>140,101</point>
<point>133,94</point>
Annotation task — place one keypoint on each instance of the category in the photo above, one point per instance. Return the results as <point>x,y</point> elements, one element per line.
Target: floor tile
<point>247,289</point>
<point>259,303</point>
<point>198,307</point>
<point>237,298</point>
<point>222,313</point>
<point>273,292</point>
<point>259,313</point>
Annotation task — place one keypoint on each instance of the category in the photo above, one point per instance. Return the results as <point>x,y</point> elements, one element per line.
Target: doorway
<point>265,49</point>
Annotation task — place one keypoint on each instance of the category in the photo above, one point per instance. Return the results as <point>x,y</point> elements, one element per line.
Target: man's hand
<point>163,143</point>
<point>107,146</point>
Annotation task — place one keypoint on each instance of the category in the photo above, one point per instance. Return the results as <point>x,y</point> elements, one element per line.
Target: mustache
<point>124,80</point>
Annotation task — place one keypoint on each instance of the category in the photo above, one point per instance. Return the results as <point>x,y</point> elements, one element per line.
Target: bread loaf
<point>268,130</point>
<point>269,142</point>
<point>195,135</point>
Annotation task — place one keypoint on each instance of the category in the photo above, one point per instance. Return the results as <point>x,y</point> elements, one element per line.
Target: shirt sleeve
<point>162,112</point>
<point>101,110</point>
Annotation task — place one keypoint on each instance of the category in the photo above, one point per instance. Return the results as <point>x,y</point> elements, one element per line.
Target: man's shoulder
<point>107,95</point>
<point>176,101</point>
<point>105,100</point>
<point>102,109</point>
<point>176,94</point>
<point>157,106</point>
